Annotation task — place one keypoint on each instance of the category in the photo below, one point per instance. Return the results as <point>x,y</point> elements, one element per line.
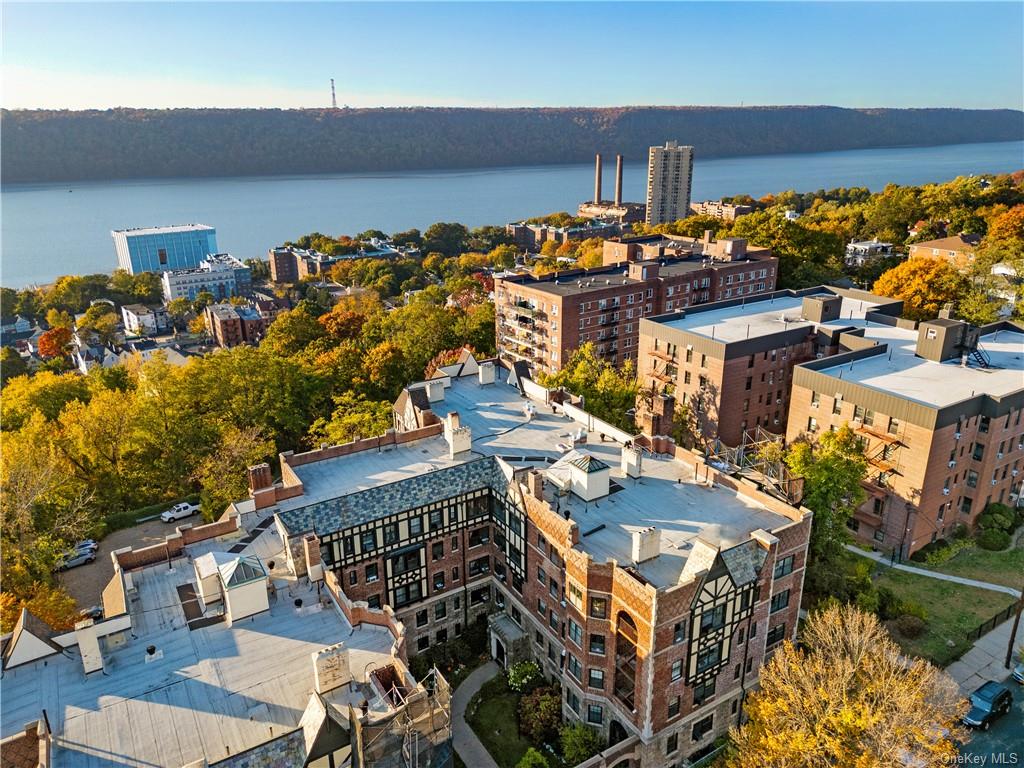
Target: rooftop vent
<point>646,544</point>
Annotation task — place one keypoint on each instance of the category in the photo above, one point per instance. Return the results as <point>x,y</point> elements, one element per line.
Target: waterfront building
<point>720,210</point>
<point>542,320</point>
<point>533,236</point>
<point>158,249</point>
<point>220,274</point>
<point>648,586</point>
<point>669,176</point>
<point>615,209</point>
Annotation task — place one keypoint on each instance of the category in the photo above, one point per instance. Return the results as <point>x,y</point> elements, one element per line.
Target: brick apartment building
<point>959,250</point>
<point>720,210</point>
<point>649,587</point>
<point>290,265</point>
<point>230,325</point>
<point>732,362</point>
<point>542,320</point>
<point>533,236</point>
<point>939,407</point>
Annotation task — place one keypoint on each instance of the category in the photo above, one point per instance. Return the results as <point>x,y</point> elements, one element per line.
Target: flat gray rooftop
<point>208,693</point>
<point>905,374</point>
<point>666,496</point>
<point>761,317</point>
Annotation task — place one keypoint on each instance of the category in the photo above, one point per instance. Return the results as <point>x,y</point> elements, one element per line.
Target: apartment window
<point>749,383</point>
<point>407,594</point>
<point>553,588</point>
<point>436,519</point>
<point>440,610</point>
<point>575,595</point>
<point>703,691</point>
<point>597,644</point>
<point>421,618</point>
<point>983,424</point>
<point>353,577</point>
<point>439,581</point>
<point>405,562</point>
<point>784,567</point>
<point>595,714</point>
<point>576,633</point>
<point>708,658</point>
<point>162,255</point>
<point>837,405</point>
<point>780,601</point>
<point>441,637</point>
<point>542,577</point>
<point>689,355</point>
<point>673,707</point>
<point>712,620</point>
<point>703,727</point>
<point>455,573</point>
<point>679,632</point>
<point>894,426</point>
<point>965,505</point>
<point>672,744</point>
<point>368,540</point>
<point>677,669</point>
<point>479,566</point>
<point>858,413</point>
<point>455,543</point>
<point>390,534</point>
<point>972,479</point>
<point>978,452</point>
<point>812,424</point>
<point>423,643</point>
<point>479,536</point>
<point>869,418</point>
<point>542,607</point>
<point>599,607</point>
<point>373,601</point>
<point>595,678</point>
<point>776,635</point>
<point>371,573</point>
<point>437,550</point>
<point>553,620</point>
<point>415,525</point>
<point>574,667</point>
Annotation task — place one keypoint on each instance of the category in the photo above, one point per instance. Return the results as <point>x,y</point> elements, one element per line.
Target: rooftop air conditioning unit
<point>820,355</point>
<point>945,491</point>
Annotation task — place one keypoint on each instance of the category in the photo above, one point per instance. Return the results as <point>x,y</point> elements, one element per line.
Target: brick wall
<point>174,545</point>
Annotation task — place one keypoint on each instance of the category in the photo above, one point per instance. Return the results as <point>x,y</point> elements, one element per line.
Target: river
<point>55,229</point>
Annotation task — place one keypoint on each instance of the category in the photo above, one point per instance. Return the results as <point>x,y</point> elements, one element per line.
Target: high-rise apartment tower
<point>669,172</point>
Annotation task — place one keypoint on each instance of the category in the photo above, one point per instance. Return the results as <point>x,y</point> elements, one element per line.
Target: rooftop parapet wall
<point>357,612</point>
<point>173,545</point>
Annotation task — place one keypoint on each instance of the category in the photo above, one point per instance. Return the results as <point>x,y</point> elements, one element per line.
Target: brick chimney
<point>535,484</point>
<point>260,477</point>
<point>311,550</point>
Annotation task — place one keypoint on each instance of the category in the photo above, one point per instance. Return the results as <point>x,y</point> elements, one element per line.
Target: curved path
<point>473,753</point>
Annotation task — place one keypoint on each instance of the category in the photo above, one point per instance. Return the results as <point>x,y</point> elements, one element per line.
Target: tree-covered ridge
<point>47,145</point>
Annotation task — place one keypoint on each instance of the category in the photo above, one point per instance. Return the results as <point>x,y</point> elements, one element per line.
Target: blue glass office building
<point>159,249</point>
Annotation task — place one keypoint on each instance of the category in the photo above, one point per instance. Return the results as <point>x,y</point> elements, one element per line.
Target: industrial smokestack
<point>618,179</point>
<point>597,179</point>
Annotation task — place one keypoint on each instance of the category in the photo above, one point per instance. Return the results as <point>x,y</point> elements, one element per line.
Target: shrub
<point>891,607</point>
<point>993,540</point>
<point>960,532</point>
<point>532,759</point>
<point>523,676</point>
<point>476,635</point>
<point>910,626</point>
<point>540,715</point>
<point>922,554</point>
<point>579,743</point>
<point>947,552</point>
<point>994,521</point>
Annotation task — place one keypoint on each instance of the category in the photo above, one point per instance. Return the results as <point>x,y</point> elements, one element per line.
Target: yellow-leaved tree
<point>850,698</point>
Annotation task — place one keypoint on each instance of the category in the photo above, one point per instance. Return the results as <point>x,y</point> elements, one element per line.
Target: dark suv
<point>990,702</point>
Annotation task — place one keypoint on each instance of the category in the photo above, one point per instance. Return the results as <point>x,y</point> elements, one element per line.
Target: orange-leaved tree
<point>924,284</point>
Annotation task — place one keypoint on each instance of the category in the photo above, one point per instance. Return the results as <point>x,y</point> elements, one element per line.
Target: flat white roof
<point>761,317</point>
<point>161,230</point>
<point>905,374</point>
<point>666,497</point>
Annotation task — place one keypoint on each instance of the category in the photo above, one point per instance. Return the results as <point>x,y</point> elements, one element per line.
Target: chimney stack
<point>597,179</point>
<point>618,179</point>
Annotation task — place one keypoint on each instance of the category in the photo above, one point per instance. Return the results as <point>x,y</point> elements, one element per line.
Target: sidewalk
<point>984,661</point>
<point>467,745</point>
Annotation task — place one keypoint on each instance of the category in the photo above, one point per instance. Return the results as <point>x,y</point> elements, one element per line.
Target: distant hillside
<point>127,143</point>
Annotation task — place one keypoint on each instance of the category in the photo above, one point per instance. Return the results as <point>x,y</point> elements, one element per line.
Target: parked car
<point>990,702</point>
<point>95,613</point>
<point>87,544</point>
<point>179,511</point>
<point>74,559</point>
<point>1018,673</point>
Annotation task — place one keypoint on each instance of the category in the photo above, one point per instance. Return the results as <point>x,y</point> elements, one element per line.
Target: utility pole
<point>334,98</point>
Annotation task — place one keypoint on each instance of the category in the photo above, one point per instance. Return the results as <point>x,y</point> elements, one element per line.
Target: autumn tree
<point>849,697</point>
<point>178,309</point>
<point>540,715</point>
<point>11,365</point>
<point>222,473</point>
<point>354,416</point>
<point>924,285</point>
<point>55,342</point>
<point>608,392</point>
<point>579,743</point>
<point>101,320</point>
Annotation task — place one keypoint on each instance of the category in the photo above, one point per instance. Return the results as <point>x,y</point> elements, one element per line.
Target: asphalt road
<point>86,582</point>
<point>1003,743</point>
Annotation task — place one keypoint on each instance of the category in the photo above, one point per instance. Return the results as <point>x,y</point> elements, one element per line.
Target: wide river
<point>56,229</point>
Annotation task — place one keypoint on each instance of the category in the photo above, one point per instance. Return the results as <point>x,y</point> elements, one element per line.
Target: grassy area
<point>953,611</point>
<point>1006,568</point>
<point>492,716</point>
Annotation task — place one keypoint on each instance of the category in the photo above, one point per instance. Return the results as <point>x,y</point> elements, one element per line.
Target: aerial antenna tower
<point>334,98</point>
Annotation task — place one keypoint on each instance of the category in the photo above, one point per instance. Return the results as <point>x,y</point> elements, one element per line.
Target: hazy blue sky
<point>523,54</point>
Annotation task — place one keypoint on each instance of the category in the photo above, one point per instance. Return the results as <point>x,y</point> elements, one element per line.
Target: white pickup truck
<point>179,511</point>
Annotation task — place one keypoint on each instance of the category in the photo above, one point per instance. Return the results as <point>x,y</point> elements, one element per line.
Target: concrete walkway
<point>984,661</point>
<point>880,558</point>
<point>467,745</point>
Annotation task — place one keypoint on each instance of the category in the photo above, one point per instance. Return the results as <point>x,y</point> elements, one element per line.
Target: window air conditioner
<point>999,455</point>
<point>952,464</point>
<point>956,435</point>
<point>945,491</point>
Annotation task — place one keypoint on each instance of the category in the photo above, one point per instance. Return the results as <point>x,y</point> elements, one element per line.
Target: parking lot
<point>1003,743</point>
<point>86,582</point>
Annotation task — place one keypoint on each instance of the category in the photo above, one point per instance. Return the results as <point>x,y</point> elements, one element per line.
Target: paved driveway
<point>86,582</point>
<point>1003,743</point>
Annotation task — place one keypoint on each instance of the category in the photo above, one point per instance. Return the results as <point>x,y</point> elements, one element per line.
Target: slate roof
<point>381,501</point>
<point>744,561</point>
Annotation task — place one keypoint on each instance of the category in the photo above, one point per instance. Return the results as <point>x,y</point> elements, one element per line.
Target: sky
<point>271,54</point>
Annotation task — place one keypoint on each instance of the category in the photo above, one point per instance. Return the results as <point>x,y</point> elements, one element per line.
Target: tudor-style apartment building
<point>648,585</point>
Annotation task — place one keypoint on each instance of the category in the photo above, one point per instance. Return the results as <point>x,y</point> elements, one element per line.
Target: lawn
<point>1006,568</point>
<point>953,611</point>
<point>492,716</point>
